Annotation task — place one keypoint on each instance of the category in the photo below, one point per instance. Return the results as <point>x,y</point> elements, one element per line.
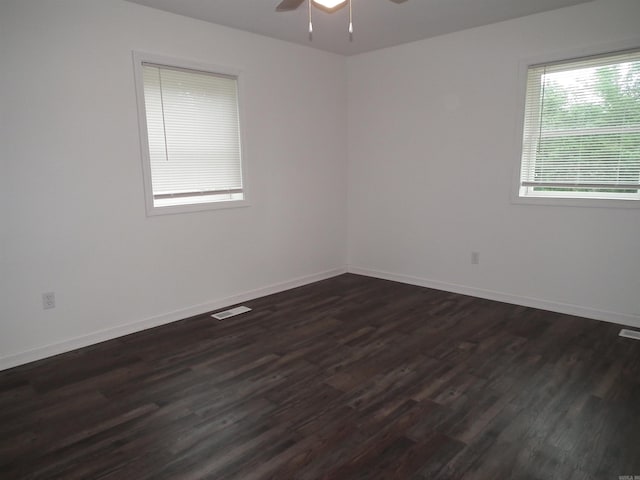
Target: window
<point>190,128</point>
<point>581,135</point>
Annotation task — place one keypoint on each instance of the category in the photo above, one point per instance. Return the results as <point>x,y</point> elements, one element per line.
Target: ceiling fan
<point>326,5</point>
<point>329,6</point>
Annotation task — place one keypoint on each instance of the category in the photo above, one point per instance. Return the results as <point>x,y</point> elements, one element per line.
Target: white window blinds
<point>582,128</point>
<point>193,135</point>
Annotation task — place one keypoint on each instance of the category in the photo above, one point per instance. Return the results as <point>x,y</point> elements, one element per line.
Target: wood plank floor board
<point>347,378</point>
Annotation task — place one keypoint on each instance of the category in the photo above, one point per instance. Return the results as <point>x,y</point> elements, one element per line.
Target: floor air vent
<point>230,313</point>
<point>630,334</point>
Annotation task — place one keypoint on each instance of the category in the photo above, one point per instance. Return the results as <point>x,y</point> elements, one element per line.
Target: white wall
<point>73,218</point>
<point>433,143</point>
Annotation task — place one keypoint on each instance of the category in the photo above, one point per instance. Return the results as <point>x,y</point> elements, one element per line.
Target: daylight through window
<point>193,136</point>
<point>582,129</point>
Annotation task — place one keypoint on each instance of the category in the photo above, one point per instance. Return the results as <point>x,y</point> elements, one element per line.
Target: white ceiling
<point>377,23</point>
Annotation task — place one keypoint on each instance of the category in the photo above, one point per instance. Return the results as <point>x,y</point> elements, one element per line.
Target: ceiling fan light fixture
<point>330,4</point>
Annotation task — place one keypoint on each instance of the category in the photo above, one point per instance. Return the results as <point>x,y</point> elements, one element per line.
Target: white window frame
<point>562,198</point>
<point>140,58</point>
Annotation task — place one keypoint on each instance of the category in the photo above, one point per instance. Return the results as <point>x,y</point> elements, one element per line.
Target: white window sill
<point>576,202</point>
<point>195,207</point>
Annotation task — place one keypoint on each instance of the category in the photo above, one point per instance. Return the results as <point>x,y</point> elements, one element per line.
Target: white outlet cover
<point>48,300</point>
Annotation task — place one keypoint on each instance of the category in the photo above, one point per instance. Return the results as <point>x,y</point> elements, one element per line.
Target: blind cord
<point>164,124</point>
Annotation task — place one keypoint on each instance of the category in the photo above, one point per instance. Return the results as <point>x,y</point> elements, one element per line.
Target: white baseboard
<point>45,351</point>
<point>569,309</point>
<point>137,326</point>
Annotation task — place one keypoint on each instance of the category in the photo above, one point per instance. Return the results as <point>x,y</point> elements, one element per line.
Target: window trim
<point>140,58</point>
<point>523,70</point>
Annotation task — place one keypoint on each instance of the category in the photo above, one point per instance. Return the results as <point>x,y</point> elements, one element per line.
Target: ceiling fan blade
<point>287,5</point>
<point>398,1</point>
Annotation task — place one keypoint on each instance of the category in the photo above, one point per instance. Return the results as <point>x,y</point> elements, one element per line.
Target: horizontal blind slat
<point>193,131</point>
<point>582,124</point>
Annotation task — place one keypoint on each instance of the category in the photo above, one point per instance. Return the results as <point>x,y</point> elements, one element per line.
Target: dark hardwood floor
<point>349,378</point>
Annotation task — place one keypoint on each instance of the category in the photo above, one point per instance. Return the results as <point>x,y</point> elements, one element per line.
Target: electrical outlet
<point>475,258</point>
<point>48,300</point>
